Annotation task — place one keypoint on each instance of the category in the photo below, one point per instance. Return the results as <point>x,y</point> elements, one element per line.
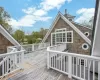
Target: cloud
<point>69,1</point>
<point>39,13</point>
<point>85,14</point>
<point>51,4</point>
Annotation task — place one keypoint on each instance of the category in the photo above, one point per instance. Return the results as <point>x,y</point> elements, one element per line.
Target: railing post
<point>48,55</point>
<point>48,60</point>
<point>22,59</point>
<point>32,47</point>
<point>70,67</point>
<point>99,70</point>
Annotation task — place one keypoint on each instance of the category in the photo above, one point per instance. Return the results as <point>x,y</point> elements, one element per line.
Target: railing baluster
<point>98,70</point>
<point>61,62</point>
<point>64,64</point>
<point>80,67</point>
<point>84,68</point>
<point>93,70</point>
<point>76,66</point>
<point>73,65</point>
<point>3,68</point>
<point>54,61</point>
<point>89,65</point>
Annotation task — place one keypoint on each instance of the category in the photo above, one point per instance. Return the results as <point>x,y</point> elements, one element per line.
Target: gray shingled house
<point>65,30</point>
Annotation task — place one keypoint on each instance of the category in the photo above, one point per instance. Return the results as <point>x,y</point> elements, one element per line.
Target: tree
<point>43,32</point>
<point>19,36</point>
<point>4,17</point>
<point>88,23</point>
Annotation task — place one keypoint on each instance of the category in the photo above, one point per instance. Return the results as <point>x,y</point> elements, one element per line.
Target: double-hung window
<point>62,36</point>
<point>69,37</point>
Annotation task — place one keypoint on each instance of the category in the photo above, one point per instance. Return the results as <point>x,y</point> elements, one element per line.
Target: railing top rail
<point>10,53</point>
<point>34,44</point>
<point>74,54</point>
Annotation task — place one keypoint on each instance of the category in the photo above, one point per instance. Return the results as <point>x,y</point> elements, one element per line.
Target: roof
<point>6,34</point>
<point>60,15</point>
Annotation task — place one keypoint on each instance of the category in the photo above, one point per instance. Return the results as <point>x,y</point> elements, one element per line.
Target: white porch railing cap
<point>10,53</point>
<point>74,54</point>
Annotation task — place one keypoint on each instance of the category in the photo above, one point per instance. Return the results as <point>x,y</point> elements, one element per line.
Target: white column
<point>48,60</point>
<point>70,66</point>
<point>99,70</point>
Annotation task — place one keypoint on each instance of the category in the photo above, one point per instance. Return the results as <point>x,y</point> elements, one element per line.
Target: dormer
<point>68,16</point>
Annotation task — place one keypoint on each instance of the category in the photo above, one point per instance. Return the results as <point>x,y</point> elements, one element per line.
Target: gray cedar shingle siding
<point>76,46</point>
<point>4,43</point>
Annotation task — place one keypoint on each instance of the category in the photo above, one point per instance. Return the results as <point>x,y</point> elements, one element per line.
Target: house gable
<point>6,40</point>
<point>6,34</point>
<point>4,43</point>
<point>70,24</point>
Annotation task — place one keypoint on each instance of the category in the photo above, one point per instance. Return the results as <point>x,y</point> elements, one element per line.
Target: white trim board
<point>70,24</point>
<point>8,36</point>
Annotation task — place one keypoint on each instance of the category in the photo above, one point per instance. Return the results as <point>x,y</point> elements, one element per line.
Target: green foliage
<point>19,36</point>
<point>4,17</point>
<point>36,36</point>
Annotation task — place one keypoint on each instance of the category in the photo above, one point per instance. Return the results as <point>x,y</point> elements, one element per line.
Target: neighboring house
<point>6,40</point>
<point>64,30</point>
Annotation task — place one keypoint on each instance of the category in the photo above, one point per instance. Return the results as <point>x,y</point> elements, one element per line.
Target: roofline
<point>7,35</point>
<point>81,25</point>
<point>73,26</point>
<point>52,25</point>
<point>77,30</point>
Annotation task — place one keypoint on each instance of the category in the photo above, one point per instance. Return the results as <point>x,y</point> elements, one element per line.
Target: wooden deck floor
<point>35,69</point>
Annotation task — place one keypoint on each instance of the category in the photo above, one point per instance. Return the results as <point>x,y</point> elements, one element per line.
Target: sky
<point>31,15</point>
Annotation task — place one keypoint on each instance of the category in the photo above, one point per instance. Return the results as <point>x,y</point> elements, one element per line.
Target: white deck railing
<point>34,47</point>
<point>82,67</point>
<point>11,61</point>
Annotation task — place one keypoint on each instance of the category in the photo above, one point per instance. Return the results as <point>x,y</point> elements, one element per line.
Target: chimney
<point>65,11</point>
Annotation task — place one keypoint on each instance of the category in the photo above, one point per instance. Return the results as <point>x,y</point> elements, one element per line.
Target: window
<point>64,37</point>
<point>69,36</point>
<point>85,46</point>
<point>60,30</point>
<point>60,37</point>
<point>53,39</point>
<point>86,33</point>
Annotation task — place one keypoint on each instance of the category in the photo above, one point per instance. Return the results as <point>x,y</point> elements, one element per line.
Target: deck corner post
<point>22,60</point>
<point>48,60</point>
<point>99,70</point>
<point>32,47</point>
<point>70,67</point>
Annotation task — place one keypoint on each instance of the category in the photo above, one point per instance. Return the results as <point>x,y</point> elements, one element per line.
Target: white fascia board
<point>8,36</point>
<point>52,26</point>
<point>76,29</point>
<point>96,41</point>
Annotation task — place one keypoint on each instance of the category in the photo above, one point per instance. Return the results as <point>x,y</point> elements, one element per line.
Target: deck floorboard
<point>38,69</point>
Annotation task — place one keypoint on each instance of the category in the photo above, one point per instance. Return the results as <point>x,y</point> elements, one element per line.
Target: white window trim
<point>72,37</point>
<point>88,34</point>
<point>60,29</point>
<point>85,48</point>
<point>52,40</point>
<point>62,33</point>
<point>65,36</point>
